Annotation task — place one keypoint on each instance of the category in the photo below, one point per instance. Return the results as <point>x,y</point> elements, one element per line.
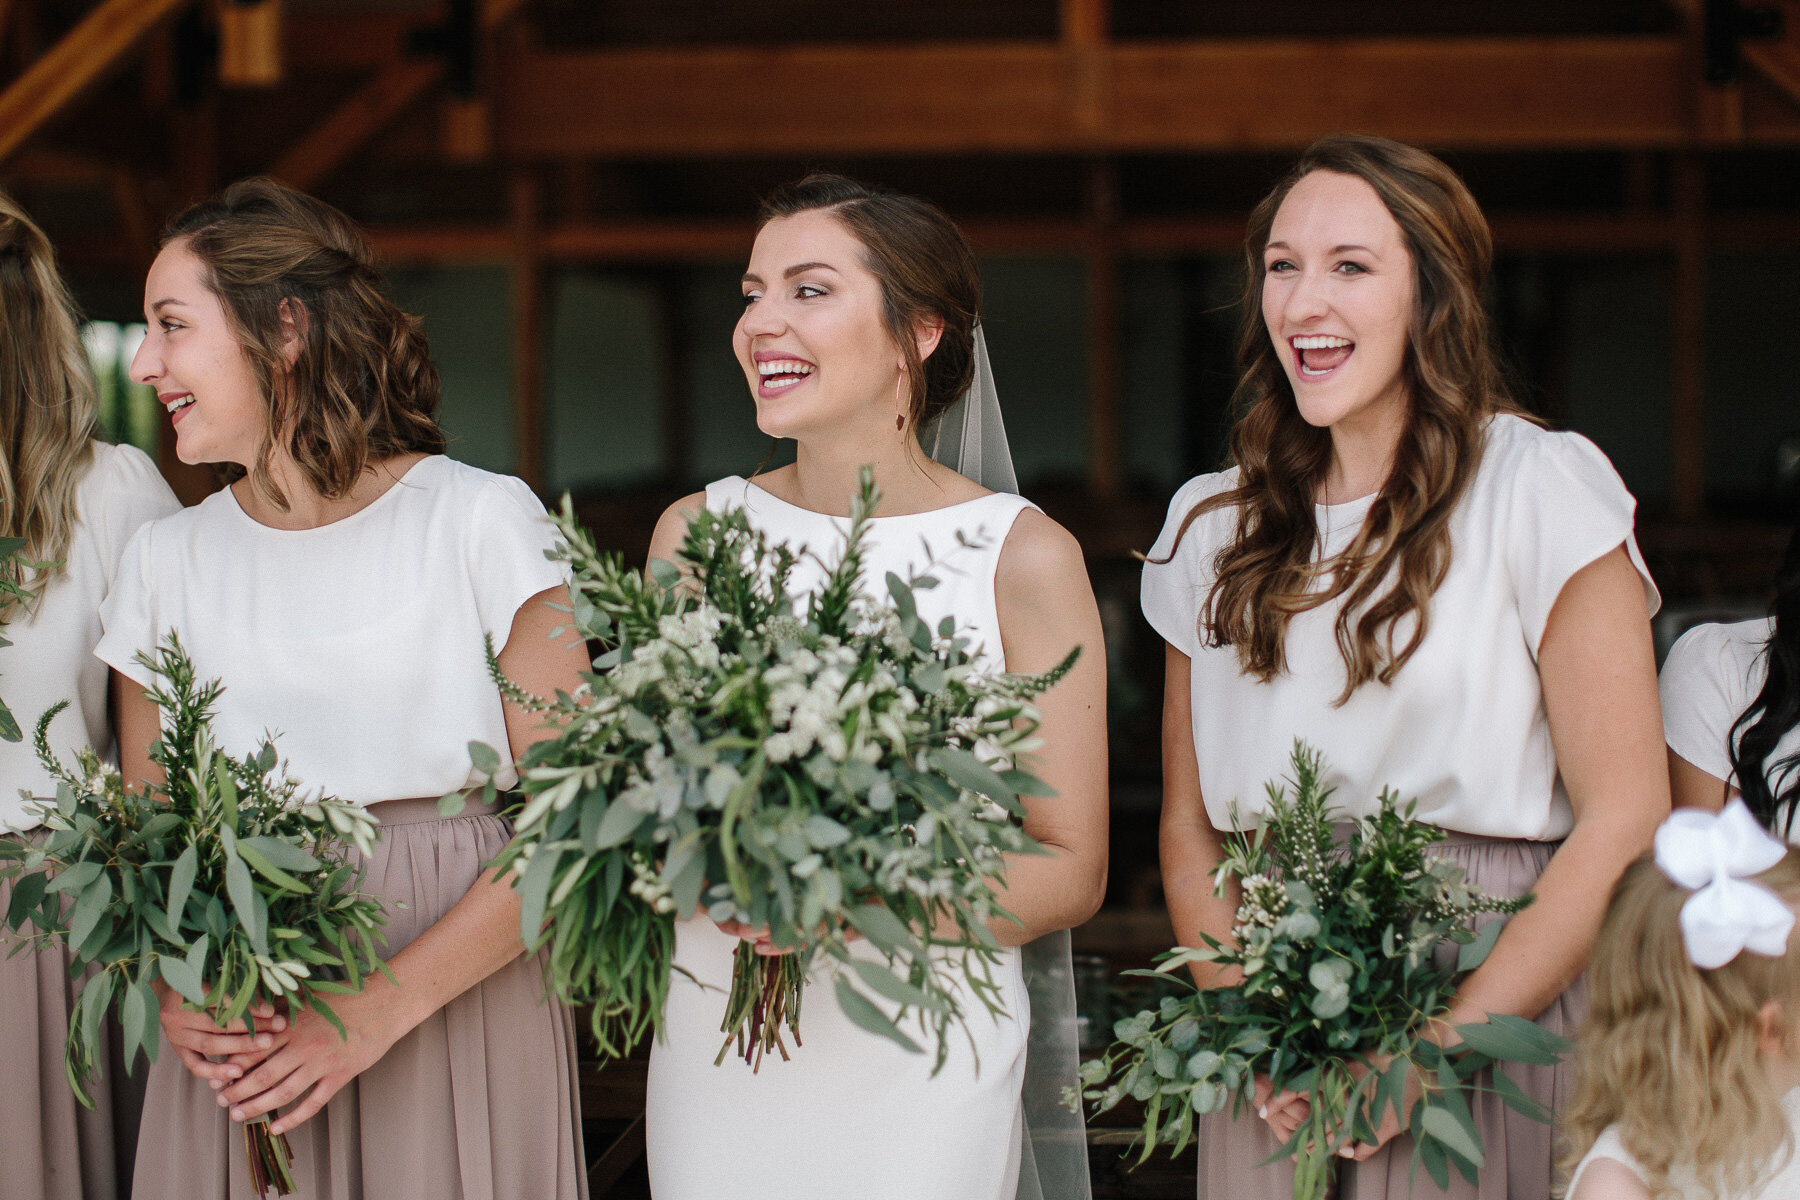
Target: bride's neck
<point>824,478</point>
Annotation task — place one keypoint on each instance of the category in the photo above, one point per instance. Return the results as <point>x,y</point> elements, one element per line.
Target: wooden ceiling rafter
<point>86,52</point>
<point>373,106</point>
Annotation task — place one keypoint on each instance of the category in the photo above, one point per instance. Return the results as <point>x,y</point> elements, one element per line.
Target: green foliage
<point>828,771</point>
<point>1338,945</point>
<point>224,882</point>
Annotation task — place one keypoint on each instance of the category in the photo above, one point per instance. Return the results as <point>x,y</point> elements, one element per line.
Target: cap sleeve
<point>1173,591</point>
<point>133,492</point>
<point>1569,509</point>
<point>509,538</point>
<point>128,614</point>
<point>1703,694</point>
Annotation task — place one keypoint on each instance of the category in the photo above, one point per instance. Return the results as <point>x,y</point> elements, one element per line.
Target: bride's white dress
<point>851,1116</point>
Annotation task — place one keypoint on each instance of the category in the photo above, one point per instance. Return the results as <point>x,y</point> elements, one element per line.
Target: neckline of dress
<point>813,512</point>
<point>341,522</point>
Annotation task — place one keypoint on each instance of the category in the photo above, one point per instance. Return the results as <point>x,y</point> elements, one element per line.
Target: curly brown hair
<point>362,388</point>
<point>1453,383</point>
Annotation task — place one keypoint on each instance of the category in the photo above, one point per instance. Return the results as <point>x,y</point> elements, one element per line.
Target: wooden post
<point>527,327</point>
<point>250,43</point>
<point>77,60</point>
<point>1687,328</point>
<point>1103,354</point>
<point>1084,36</point>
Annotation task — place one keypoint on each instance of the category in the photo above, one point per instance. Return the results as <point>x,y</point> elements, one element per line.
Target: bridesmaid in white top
<point>340,587</point>
<point>1731,709</point>
<point>76,501</point>
<point>858,329</point>
<point>1430,589</point>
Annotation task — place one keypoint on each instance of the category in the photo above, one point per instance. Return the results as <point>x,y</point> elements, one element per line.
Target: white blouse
<point>1713,673</point>
<point>359,643</point>
<point>1784,1184</point>
<point>52,656</point>
<point>1462,727</point>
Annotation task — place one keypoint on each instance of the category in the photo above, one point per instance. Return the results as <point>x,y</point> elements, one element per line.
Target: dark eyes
<point>1283,265</point>
<point>806,291</point>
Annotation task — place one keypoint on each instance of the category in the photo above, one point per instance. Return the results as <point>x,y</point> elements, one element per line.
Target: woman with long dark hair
<point>1731,708</point>
<point>340,588</point>
<point>1432,590</point>
<point>76,501</point>
<point>859,330</point>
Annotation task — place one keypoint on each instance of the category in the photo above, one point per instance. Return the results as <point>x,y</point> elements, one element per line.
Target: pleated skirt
<point>1520,1152</point>
<point>479,1102</point>
<point>52,1148</point>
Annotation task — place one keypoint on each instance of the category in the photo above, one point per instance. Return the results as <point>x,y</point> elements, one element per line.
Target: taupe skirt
<point>1521,1153</point>
<point>51,1148</point>
<point>478,1103</point>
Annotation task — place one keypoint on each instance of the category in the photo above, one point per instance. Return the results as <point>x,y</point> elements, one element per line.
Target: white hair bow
<point>1714,855</point>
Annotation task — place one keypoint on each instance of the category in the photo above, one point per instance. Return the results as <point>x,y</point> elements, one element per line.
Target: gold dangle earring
<point>899,417</point>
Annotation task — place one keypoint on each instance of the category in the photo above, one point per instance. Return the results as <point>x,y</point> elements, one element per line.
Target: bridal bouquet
<point>1335,945</point>
<point>225,883</point>
<point>827,770</point>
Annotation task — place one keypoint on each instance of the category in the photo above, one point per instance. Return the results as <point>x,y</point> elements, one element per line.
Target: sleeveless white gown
<point>851,1115</point>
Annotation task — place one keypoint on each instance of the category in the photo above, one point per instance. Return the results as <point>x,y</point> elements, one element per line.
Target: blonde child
<point>1690,1055</point>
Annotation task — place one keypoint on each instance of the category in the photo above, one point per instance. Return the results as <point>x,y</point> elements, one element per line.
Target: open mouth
<point>779,374</point>
<point>177,404</point>
<point>1318,355</point>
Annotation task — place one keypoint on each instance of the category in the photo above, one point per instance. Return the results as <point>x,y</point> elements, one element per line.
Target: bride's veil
<point>1053,1164</point>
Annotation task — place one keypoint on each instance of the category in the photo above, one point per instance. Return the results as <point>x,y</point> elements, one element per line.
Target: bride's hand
<point>759,935</point>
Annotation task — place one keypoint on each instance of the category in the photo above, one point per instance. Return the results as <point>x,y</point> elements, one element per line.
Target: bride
<point>859,332</point>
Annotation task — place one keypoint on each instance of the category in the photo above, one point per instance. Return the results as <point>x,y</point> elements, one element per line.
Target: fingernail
<point>215,1084</point>
<point>1262,1110</point>
<point>1346,1152</point>
<point>263,1041</point>
<point>224,1103</point>
<point>237,1114</point>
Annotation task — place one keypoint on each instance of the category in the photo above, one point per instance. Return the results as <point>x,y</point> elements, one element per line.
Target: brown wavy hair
<point>48,409</point>
<point>1670,1052</point>
<point>363,387</point>
<point>926,270</point>
<point>1453,383</point>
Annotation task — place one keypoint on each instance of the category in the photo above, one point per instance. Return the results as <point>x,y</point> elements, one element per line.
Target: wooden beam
<point>250,43</point>
<point>369,110</point>
<point>1104,356</point>
<point>1026,97</point>
<point>85,52</point>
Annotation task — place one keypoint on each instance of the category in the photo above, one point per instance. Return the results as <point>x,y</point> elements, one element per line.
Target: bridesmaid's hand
<point>313,1061</point>
<point>195,1036</point>
<point>1283,1111</point>
<point>760,936</point>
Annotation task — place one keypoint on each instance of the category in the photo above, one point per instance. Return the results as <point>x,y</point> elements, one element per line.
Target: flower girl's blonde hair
<point>1670,1052</point>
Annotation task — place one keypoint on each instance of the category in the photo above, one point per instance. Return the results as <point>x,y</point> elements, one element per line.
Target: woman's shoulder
<point>122,479</point>
<point>1184,533</point>
<point>1714,647</point>
<point>1518,451</point>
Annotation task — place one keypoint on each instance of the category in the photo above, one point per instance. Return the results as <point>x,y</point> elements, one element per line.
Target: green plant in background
<point>824,770</point>
<point>225,882</point>
<point>129,414</point>
<point>1339,943</point>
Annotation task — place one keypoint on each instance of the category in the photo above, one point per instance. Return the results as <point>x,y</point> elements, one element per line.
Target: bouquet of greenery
<point>226,883</point>
<point>1335,941</point>
<point>823,770</point>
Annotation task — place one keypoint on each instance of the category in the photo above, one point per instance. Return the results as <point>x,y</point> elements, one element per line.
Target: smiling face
<point>1338,301</point>
<point>199,369</point>
<point>813,341</point>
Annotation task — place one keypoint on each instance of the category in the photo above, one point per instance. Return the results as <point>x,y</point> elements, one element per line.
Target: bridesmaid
<point>340,587</point>
<point>1731,707</point>
<point>76,501</point>
<point>858,331</point>
<point>1428,587</point>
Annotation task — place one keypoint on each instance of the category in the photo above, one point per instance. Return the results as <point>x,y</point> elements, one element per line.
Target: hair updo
<point>363,387</point>
<point>927,274</point>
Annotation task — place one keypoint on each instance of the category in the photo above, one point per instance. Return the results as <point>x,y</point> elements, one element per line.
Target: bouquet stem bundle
<point>1335,939</point>
<point>223,882</point>
<point>826,768</point>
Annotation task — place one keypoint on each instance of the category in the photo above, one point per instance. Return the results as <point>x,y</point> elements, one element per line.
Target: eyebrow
<point>1334,249</point>
<point>797,269</point>
<point>161,304</point>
